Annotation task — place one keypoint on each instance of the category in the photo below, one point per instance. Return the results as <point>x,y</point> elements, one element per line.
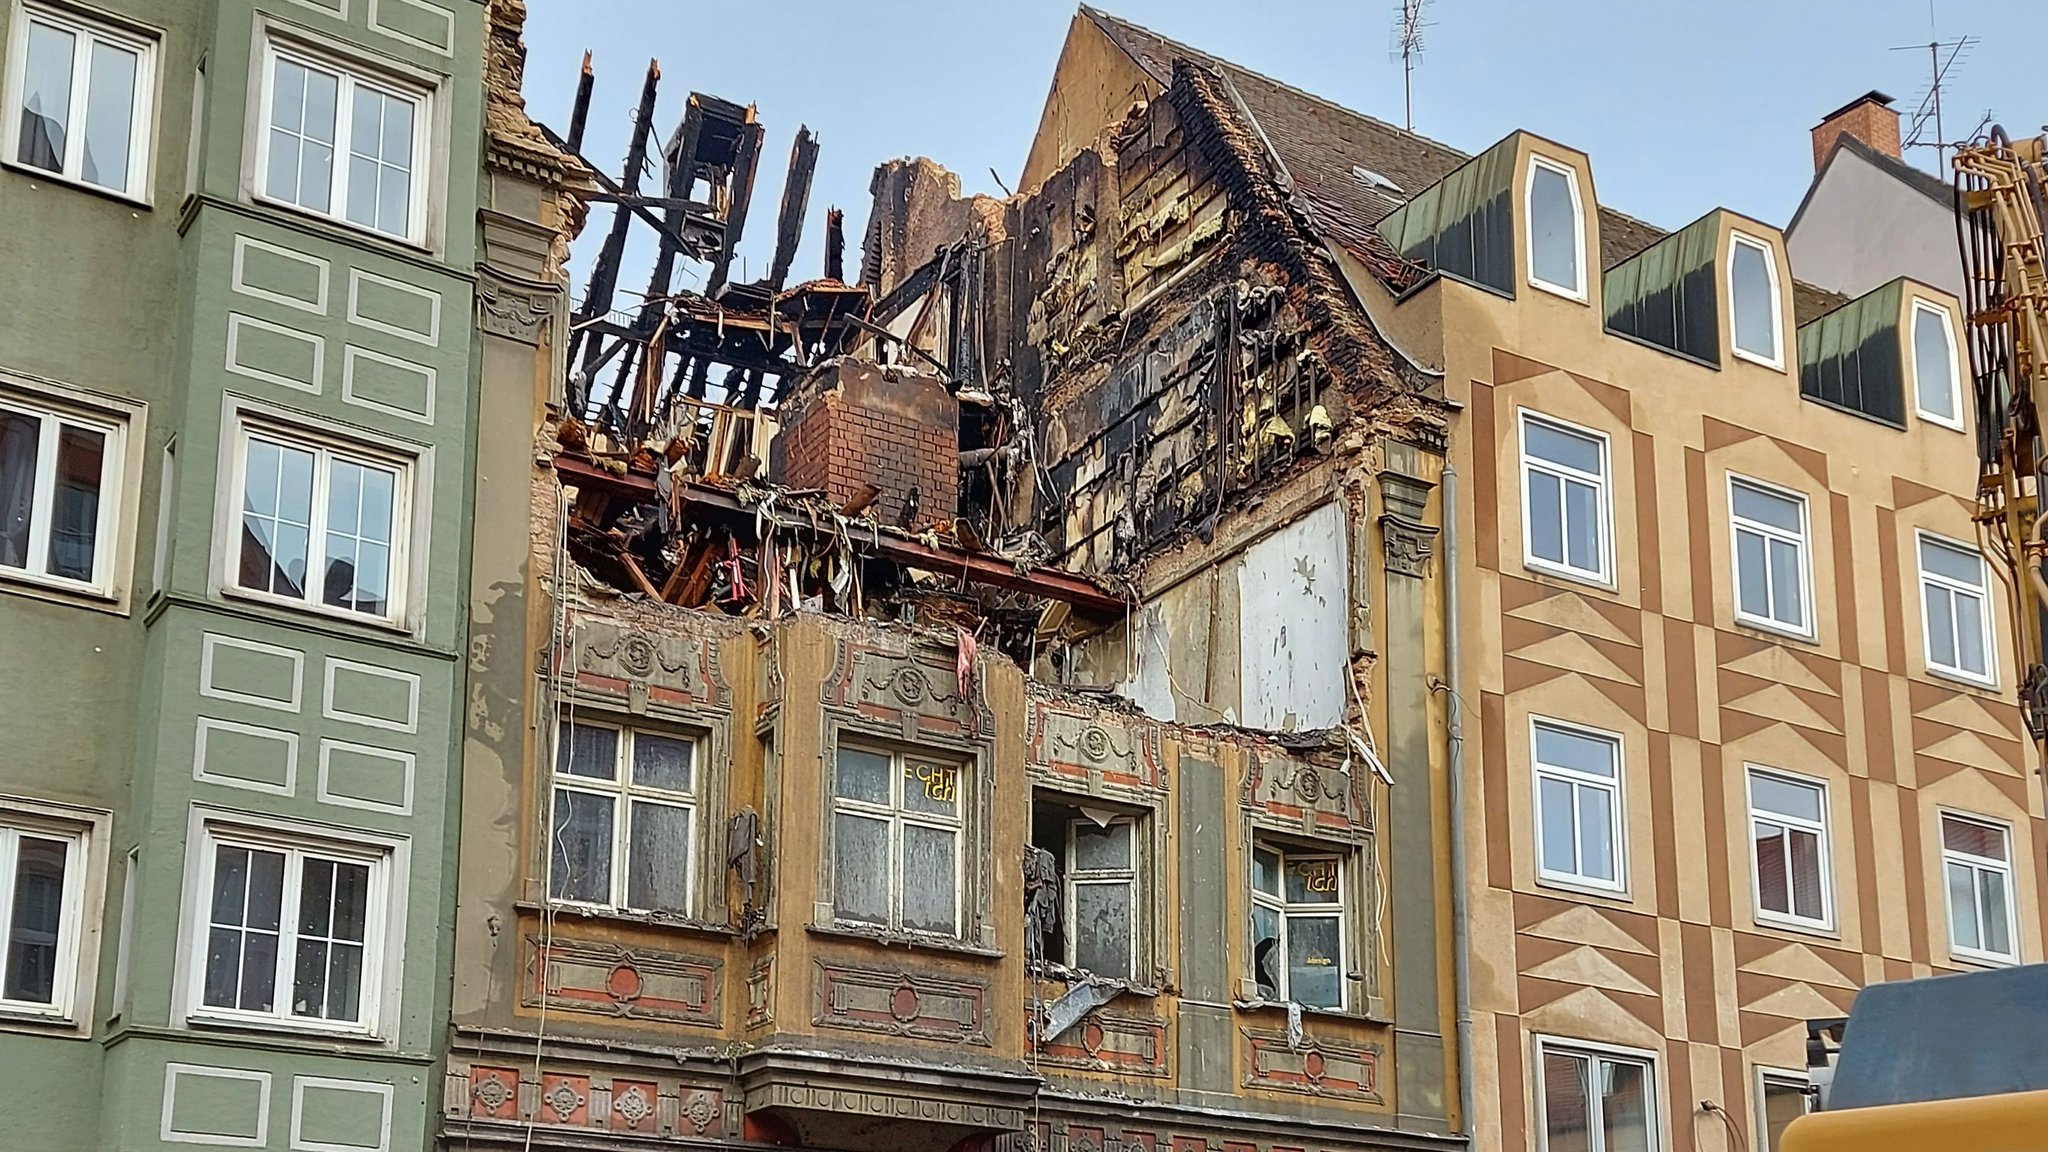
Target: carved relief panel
<point>633,983</point>
<point>1093,751</point>
<point>1321,800</point>
<point>912,692</point>
<point>900,1004</point>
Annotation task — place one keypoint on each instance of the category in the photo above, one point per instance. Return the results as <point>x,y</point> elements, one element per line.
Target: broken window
<point>59,476</point>
<point>1298,925</point>
<point>625,818</point>
<point>896,833</point>
<point>292,932</point>
<point>321,524</point>
<point>1097,852</point>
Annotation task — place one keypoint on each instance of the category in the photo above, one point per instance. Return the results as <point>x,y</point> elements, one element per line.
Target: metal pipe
<point>1461,934</point>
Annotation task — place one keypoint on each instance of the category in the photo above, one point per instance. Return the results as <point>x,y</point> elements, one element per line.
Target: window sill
<point>1766,922</point>
<point>1061,974</point>
<point>33,173</point>
<point>1980,960</point>
<point>1554,572</point>
<point>1774,631</point>
<point>23,583</point>
<point>911,940</point>
<point>1926,417</point>
<point>49,1024</point>
<point>1558,290</point>
<point>625,916</point>
<point>1961,679</point>
<point>1261,1007</point>
<point>1775,365</point>
<point>303,1029</point>
<point>1586,888</point>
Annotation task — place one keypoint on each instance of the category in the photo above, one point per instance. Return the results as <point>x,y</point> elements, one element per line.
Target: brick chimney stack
<point>1869,118</point>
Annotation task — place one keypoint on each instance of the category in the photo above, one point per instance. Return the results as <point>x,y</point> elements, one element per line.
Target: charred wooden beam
<point>744,165</point>
<point>579,112</point>
<point>835,245</point>
<point>796,196</point>
<point>604,275</point>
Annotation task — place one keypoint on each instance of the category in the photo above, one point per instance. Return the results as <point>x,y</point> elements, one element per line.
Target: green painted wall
<point>187,702</point>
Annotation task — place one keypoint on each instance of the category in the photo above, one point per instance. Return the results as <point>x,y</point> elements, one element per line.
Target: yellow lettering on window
<point>940,783</point>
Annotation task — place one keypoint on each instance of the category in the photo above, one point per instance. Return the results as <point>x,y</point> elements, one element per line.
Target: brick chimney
<point>1870,118</point>
<point>853,423</point>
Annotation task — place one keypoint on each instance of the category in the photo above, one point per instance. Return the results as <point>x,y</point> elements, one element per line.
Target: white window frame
<point>1980,865</point>
<point>325,447</point>
<point>1280,906</point>
<point>1571,178</point>
<point>142,122</point>
<point>1604,501</point>
<point>1955,374</point>
<point>1826,922</point>
<point>1783,1077</point>
<point>112,499</point>
<point>1801,542</point>
<point>71,917</point>
<point>1616,806</point>
<point>379,919</point>
<point>350,75</point>
<point>1987,628</point>
<point>1074,877</point>
<point>896,814</point>
<point>1653,1111</point>
<point>623,793</point>
<point>1777,359</point>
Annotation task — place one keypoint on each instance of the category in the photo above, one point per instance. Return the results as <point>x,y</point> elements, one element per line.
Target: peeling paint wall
<point>1291,625</point>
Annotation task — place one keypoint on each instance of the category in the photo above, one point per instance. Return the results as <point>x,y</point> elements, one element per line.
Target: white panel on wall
<point>247,756</point>
<point>263,269</point>
<point>231,668</point>
<point>233,1111</point>
<point>1293,625</point>
<point>371,696</point>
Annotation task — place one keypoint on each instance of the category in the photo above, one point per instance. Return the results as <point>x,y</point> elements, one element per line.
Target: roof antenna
<point>1929,112</point>
<point>1408,42</point>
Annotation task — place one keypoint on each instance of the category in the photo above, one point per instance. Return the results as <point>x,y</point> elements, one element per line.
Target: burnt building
<point>997,702</point>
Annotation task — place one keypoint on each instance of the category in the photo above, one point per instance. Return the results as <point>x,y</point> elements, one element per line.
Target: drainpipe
<point>1461,935</point>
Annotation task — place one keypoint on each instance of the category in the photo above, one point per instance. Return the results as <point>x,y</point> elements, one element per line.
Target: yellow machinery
<point>1999,208</point>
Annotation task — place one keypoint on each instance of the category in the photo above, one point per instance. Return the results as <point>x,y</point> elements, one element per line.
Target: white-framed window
<point>1753,319</point>
<point>1773,580</point>
<point>60,495</point>
<point>1595,1098</point>
<point>1579,826</point>
<point>1300,939</point>
<point>1782,1096</point>
<point>1566,506</point>
<point>897,830</point>
<point>80,96</point>
<point>290,931</point>
<point>1955,603</point>
<point>1557,229</point>
<point>1937,379</point>
<point>1788,827</point>
<point>322,523</point>
<point>624,819</point>
<point>42,916</point>
<point>1976,858</point>
<point>343,142</point>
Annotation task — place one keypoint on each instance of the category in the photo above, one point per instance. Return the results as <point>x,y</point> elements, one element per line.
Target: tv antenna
<point>1408,42</point>
<point>1944,60</point>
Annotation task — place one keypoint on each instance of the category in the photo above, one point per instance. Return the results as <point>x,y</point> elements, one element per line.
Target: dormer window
<point>1557,229</point>
<point>1934,366</point>
<point>1753,300</point>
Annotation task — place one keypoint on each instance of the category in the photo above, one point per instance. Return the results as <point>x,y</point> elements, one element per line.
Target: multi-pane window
<point>79,100</point>
<point>292,933</point>
<point>1753,299</point>
<point>1789,839</point>
<point>1935,384</point>
<point>1955,599</point>
<point>59,490</point>
<point>1772,587</point>
<point>625,819</point>
<point>1976,856</point>
<point>1298,929</point>
<point>41,916</point>
<point>1556,230</point>
<point>1098,854</point>
<point>896,841</point>
<point>342,144</point>
<point>321,524</point>
<point>1782,1097</point>
<point>1595,1100</point>
<point>1578,805</point>
<point>1565,511</point>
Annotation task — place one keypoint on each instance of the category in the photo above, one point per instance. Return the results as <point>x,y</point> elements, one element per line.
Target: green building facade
<point>236,448</point>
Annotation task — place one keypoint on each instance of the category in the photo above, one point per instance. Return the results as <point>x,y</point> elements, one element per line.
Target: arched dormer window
<point>1557,229</point>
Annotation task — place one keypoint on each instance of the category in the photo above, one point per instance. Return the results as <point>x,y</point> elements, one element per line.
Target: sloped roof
<point>1321,143</point>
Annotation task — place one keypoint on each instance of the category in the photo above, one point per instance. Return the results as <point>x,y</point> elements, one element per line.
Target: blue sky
<point>1683,105</point>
